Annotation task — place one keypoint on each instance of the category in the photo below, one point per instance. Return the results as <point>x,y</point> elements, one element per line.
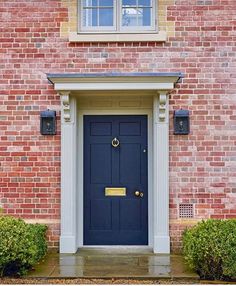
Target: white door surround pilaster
<point>161,84</point>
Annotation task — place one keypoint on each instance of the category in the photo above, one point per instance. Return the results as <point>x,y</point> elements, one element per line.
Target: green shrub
<point>210,248</point>
<point>21,245</point>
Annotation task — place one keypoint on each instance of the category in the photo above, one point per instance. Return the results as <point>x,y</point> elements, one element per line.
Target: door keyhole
<point>115,142</point>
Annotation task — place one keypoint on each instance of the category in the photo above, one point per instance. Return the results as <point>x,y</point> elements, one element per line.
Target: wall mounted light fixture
<point>181,122</point>
<point>48,122</point>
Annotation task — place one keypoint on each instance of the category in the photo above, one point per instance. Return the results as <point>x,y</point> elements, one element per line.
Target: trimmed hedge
<point>21,245</point>
<point>210,248</point>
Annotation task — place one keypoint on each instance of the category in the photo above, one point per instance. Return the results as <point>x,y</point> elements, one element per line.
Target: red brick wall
<point>202,165</point>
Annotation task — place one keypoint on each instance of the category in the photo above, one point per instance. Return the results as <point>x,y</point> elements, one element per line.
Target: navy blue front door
<point>110,219</point>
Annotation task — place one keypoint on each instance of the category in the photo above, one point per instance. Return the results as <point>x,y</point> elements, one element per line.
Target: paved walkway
<point>115,263</point>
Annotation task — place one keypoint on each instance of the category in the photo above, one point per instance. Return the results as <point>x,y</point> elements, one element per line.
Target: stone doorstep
<point>107,266</point>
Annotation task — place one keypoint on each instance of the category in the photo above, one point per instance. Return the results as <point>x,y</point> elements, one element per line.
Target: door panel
<point>132,221</point>
<point>97,159</point>
<point>115,220</point>
<point>130,128</point>
<point>101,216</point>
<point>130,159</point>
<point>100,128</point>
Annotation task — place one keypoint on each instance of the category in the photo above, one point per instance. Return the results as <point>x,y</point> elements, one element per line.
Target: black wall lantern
<point>181,122</point>
<point>48,122</point>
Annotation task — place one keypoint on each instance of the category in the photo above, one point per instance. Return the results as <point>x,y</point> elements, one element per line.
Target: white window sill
<point>119,37</point>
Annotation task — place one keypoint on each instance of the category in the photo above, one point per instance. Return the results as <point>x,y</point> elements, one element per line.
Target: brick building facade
<point>195,39</point>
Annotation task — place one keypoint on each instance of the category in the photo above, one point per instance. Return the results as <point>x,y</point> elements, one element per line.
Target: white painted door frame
<point>161,84</point>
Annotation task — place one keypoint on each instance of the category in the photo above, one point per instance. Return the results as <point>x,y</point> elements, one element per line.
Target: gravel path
<point>94,281</point>
<point>77,281</point>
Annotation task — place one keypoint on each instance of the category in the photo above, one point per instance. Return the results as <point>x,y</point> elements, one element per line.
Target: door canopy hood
<point>115,81</point>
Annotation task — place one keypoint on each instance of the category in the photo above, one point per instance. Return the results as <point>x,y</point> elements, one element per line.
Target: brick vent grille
<point>185,210</point>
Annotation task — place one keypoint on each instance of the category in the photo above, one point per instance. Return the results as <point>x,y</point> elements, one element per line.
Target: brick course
<point>201,44</point>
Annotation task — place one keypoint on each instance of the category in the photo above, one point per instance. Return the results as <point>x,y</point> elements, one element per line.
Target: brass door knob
<point>138,194</point>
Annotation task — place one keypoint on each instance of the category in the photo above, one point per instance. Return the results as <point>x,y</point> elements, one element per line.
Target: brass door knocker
<point>115,142</point>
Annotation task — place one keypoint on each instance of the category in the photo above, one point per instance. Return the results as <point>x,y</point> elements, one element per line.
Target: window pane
<point>106,17</point>
<point>90,3</point>
<point>97,3</point>
<point>144,17</point>
<point>129,3</point>
<point>94,17</point>
<point>106,3</point>
<point>136,17</point>
<point>98,17</point>
<point>144,3</point>
<point>129,17</point>
<point>90,17</point>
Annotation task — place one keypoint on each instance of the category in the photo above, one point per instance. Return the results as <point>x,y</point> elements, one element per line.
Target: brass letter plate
<point>115,192</point>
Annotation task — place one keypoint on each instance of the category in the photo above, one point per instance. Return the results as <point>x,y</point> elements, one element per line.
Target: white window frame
<point>117,21</point>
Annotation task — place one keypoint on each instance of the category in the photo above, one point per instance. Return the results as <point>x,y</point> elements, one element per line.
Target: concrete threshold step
<point>112,265</point>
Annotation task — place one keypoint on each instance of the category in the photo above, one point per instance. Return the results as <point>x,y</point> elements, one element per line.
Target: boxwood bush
<point>210,248</point>
<point>21,245</point>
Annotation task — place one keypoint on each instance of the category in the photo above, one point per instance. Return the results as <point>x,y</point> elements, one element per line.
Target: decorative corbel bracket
<point>66,108</point>
<point>163,97</point>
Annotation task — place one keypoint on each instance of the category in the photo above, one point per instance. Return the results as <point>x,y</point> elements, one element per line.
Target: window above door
<point>117,16</point>
<point>117,21</point>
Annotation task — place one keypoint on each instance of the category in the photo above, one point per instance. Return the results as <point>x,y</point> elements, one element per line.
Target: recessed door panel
<point>100,128</point>
<point>115,180</point>
<point>100,165</point>
<point>130,128</point>
<point>130,215</point>
<point>101,215</point>
<point>130,163</point>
